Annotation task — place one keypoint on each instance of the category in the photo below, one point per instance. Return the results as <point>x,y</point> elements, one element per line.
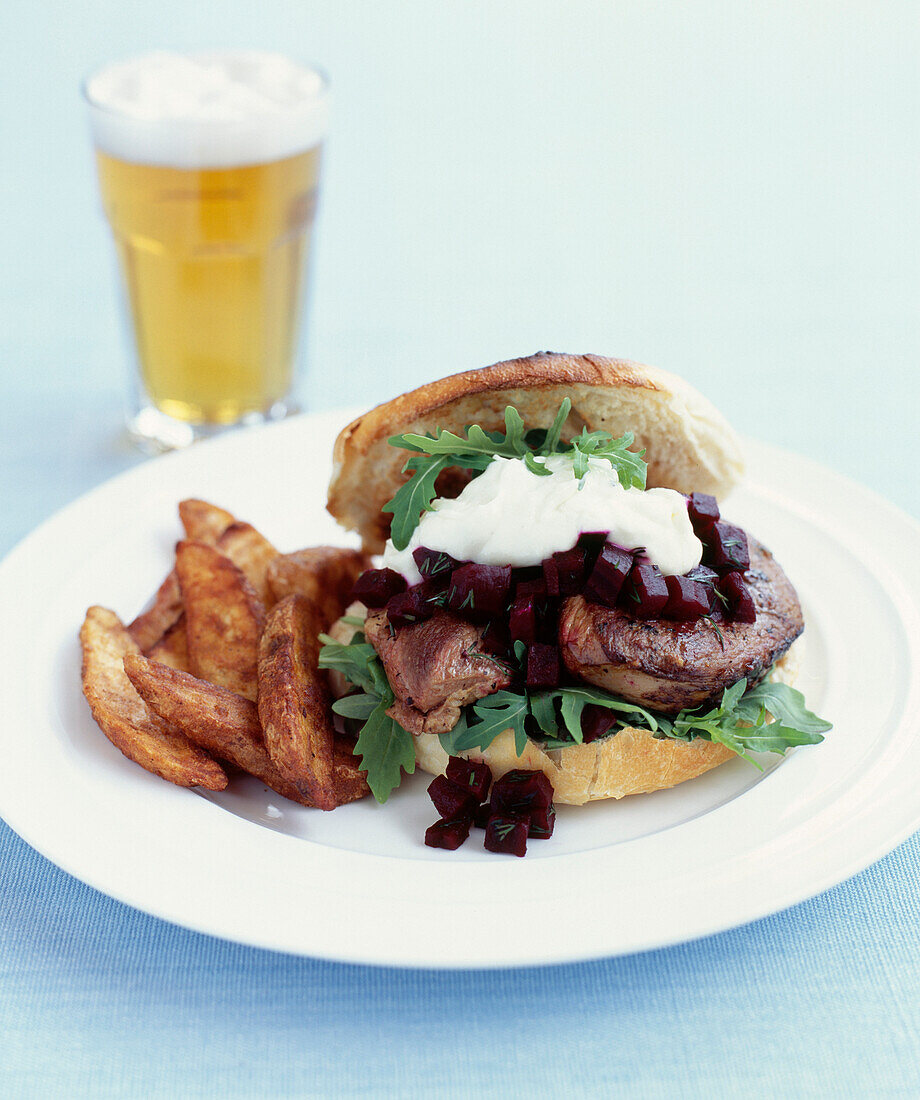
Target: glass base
<point>153,432</point>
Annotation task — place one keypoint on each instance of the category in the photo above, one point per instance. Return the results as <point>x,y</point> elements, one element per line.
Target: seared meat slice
<point>434,668</point>
<point>668,666</point>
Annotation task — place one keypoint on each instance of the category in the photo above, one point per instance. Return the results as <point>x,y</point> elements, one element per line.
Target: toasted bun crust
<point>632,761</point>
<point>689,445</point>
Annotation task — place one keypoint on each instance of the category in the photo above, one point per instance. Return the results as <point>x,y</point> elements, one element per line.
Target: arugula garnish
<point>554,719</point>
<point>384,746</point>
<point>727,723</point>
<point>496,713</point>
<point>478,448</point>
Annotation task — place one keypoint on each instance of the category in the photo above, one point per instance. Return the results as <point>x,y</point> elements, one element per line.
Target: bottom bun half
<point>632,761</point>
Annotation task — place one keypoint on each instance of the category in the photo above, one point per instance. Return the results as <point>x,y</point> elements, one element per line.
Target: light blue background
<point>726,190</point>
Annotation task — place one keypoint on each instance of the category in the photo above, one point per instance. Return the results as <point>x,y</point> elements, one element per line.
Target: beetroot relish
<point>473,776</point>
<point>704,511</point>
<point>447,834</point>
<point>450,798</point>
<point>740,600</point>
<point>520,791</point>
<point>688,599</point>
<point>507,834</point>
<point>414,606</point>
<point>376,587</point>
<point>479,591</point>
<point>596,721</point>
<point>610,571</point>
<point>646,589</point>
<point>544,669</point>
<point>520,807</point>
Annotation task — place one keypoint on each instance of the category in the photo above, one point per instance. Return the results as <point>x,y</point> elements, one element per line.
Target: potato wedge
<point>124,718</point>
<point>324,574</point>
<point>218,720</point>
<point>203,521</point>
<point>294,701</point>
<point>172,648</point>
<point>350,781</point>
<point>224,618</point>
<point>162,613</point>
<point>251,552</point>
<point>228,726</point>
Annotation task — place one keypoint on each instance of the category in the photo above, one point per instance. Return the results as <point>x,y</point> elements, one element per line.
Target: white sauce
<point>510,516</point>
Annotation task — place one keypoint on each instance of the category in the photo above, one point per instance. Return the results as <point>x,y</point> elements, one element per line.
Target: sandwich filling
<point>556,598</point>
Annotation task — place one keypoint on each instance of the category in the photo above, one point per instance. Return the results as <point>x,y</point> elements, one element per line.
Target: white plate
<point>358,884</point>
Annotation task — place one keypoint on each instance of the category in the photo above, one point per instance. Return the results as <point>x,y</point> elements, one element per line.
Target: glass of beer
<point>209,167</point>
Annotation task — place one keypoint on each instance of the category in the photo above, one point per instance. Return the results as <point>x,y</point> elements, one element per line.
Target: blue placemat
<point>97,999</point>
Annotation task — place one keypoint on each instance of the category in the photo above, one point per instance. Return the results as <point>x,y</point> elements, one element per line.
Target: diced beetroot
<point>450,799</point>
<point>645,592</point>
<point>688,600</point>
<point>569,566</point>
<point>435,565</point>
<point>543,669</point>
<point>610,571</point>
<point>551,576</point>
<point>592,542</point>
<point>482,815</point>
<point>703,574</point>
<point>703,510</point>
<point>535,588</point>
<point>596,722</point>
<point>707,578</point>
<point>448,834</point>
<point>727,547</point>
<point>522,620</point>
<point>474,776</point>
<point>507,835</point>
<point>479,591</point>
<point>496,640</point>
<point>740,600</point>
<point>414,606</point>
<point>376,587</point>
<point>520,792</point>
<point>542,823</point>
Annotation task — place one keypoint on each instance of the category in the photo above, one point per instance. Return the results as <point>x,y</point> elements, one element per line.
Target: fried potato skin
<point>253,553</point>
<point>224,723</point>
<point>294,701</point>
<point>172,648</point>
<point>162,613</point>
<point>224,618</point>
<point>203,521</point>
<point>124,718</point>
<point>324,574</point>
<point>350,781</point>
<point>227,726</point>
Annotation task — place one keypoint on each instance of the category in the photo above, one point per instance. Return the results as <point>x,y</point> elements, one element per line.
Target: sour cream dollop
<point>511,516</point>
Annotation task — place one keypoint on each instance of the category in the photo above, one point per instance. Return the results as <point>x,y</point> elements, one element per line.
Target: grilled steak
<point>668,666</point>
<point>434,668</point>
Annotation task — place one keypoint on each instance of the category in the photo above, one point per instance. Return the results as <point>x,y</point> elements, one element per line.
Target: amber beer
<point>213,236</point>
<point>213,261</point>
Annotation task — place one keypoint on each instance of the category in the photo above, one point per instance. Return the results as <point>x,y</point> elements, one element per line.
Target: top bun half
<point>688,443</point>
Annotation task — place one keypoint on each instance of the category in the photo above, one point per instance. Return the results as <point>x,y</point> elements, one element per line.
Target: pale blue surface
<point>729,191</point>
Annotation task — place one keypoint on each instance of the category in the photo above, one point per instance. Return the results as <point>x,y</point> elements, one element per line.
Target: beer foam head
<point>209,110</point>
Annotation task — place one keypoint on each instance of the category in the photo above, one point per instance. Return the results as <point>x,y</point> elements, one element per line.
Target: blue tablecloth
<point>728,191</point>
